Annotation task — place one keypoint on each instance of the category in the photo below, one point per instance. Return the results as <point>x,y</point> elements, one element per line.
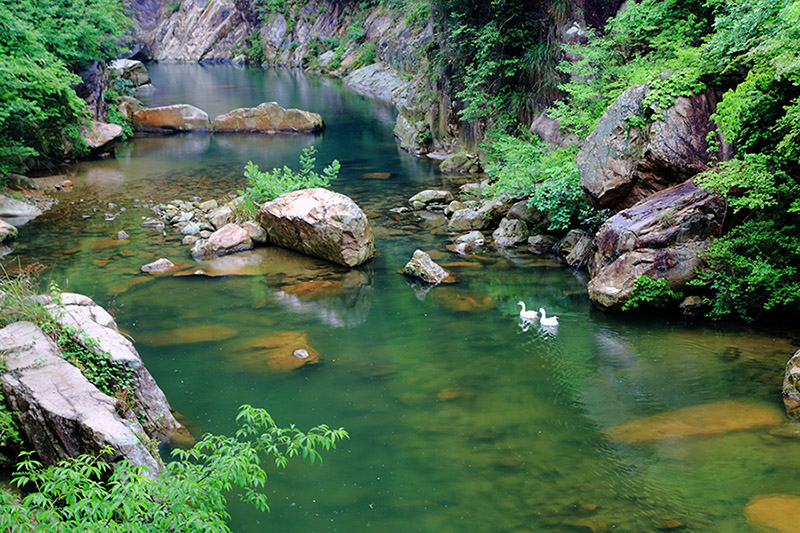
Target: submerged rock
<point>190,335</point>
<point>421,266</point>
<point>697,421</point>
<point>319,223</point>
<point>280,352</point>
<point>779,513</point>
<point>268,117</point>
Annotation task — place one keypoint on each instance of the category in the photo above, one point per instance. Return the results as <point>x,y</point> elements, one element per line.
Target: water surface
<point>460,420</point>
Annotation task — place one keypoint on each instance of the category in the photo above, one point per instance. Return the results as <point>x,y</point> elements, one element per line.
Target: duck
<point>527,315</point>
<point>549,321</point>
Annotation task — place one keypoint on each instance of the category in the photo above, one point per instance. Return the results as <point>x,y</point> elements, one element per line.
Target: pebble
<point>122,235</point>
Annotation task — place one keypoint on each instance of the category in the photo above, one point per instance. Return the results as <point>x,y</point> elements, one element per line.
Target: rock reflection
<point>339,303</point>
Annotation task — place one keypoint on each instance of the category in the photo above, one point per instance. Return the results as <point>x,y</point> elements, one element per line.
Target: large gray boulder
<point>12,208</point>
<point>84,314</point>
<point>660,236</point>
<point>319,223</point>
<point>511,232</point>
<point>467,219</point>
<point>101,137</point>
<point>629,157</point>
<point>171,118</point>
<point>61,414</point>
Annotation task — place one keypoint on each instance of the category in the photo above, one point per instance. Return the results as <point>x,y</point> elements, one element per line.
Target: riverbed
<point>460,418</point>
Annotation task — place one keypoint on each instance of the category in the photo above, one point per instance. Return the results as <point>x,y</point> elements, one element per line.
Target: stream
<point>460,419</point>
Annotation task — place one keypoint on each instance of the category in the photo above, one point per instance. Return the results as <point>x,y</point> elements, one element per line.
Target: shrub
<point>651,292</point>
<point>190,494</point>
<point>266,186</point>
<point>550,178</point>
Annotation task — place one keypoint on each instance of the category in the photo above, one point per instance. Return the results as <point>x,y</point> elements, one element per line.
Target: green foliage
<point>656,42</point>
<point>42,42</point>
<point>19,303</point>
<point>651,292</point>
<point>548,177</point>
<point>755,182</point>
<point>366,55</point>
<point>754,268</point>
<point>87,494</point>
<point>266,186</point>
<point>172,7</point>
<point>10,436</point>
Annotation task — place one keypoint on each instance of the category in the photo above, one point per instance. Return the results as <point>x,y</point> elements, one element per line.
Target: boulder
<point>128,105</point>
<point>467,219</point>
<point>377,81</point>
<point>170,118</point>
<point>660,236</point>
<point>268,117</point>
<point>61,414</point>
<point>319,223</point>
<point>494,210</point>
<point>7,231</point>
<point>530,215</point>
<point>460,162</point>
<point>570,240</point>
<point>429,197</point>
<point>326,59</point>
<point>16,212</point>
<point>102,137</point>
<point>18,182</point>
<point>541,244</point>
<point>160,265</point>
<point>225,214</point>
<point>791,391</point>
<point>621,163</point>
<point>130,69</point>
<point>421,266</point>
<point>510,233</point>
<point>229,239</point>
<point>415,137</point>
<point>153,410</point>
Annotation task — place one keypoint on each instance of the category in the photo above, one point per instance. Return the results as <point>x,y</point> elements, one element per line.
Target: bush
<point>651,292</point>
<point>266,186</point>
<point>550,178</point>
<point>87,494</point>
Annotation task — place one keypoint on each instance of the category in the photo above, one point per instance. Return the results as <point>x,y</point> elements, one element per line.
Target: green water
<point>460,420</point>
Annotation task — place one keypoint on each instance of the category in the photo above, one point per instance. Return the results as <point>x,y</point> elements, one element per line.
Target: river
<point>460,420</point>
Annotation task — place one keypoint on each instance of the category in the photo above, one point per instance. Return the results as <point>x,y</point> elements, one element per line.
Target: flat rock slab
<point>60,412</point>
<point>704,420</point>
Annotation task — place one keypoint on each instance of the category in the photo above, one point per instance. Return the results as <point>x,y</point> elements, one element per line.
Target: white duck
<point>527,315</point>
<point>549,321</point>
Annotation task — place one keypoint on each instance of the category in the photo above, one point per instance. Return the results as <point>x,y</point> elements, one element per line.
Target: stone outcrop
<point>61,414</point>
<point>16,212</point>
<point>660,236</point>
<point>199,31</point>
<point>171,118</point>
<point>268,117</point>
<point>421,266</point>
<point>82,312</point>
<point>631,155</point>
<point>791,391</point>
<point>320,223</point>
<point>92,88</point>
<point>378,81</point>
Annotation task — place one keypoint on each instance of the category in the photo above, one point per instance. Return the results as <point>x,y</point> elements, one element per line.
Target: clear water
<point>460,420</point>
